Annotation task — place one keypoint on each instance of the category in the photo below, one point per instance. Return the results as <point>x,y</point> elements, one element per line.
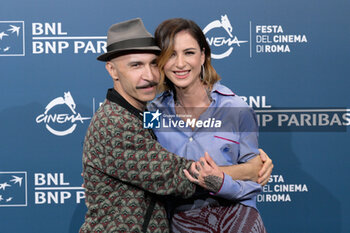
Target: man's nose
<point>149,73</point>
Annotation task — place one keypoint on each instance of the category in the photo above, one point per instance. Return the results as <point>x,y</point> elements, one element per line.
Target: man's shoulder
<point>111,109</point>
<point>113,117</point>
<point>108,107</point>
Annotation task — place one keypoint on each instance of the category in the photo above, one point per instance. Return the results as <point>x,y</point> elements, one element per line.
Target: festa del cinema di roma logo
<point>62,118</point>
<point>222,41</point>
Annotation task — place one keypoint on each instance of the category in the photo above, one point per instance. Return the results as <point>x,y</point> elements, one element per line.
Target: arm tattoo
<point>196,182</point>
<point>194,174</point>
<point>213,183</point>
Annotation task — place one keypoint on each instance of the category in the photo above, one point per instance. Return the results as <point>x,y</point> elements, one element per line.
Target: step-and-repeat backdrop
<point>288,59</point>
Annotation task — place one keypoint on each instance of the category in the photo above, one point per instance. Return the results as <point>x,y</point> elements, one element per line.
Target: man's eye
<point>135,65</point>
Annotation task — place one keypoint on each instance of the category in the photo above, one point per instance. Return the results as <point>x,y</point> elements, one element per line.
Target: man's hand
<point>206,173</point>
<point>266,170</point>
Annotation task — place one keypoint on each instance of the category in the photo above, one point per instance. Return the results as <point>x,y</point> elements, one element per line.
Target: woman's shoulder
<point>161,101</point>
<point>225,96</point>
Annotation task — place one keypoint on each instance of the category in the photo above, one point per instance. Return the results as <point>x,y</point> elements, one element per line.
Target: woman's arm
<point>257,169</point>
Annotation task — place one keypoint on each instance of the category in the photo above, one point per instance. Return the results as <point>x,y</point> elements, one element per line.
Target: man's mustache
<point>150,84</point>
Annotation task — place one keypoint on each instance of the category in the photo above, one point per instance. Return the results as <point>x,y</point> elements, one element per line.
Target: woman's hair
<point>165,35</point>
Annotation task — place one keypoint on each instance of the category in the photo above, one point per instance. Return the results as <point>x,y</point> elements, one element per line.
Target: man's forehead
<point>142,57</point>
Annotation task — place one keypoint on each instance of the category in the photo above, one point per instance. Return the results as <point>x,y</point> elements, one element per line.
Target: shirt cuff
<point>226,187</point>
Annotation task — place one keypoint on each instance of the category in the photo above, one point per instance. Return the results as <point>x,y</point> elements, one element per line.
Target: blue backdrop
<point>289,60</point>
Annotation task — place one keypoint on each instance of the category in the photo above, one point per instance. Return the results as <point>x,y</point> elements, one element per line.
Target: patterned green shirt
<point>124,168</point>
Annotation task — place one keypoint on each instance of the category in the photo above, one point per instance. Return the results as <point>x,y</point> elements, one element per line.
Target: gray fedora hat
<point>127,37</point>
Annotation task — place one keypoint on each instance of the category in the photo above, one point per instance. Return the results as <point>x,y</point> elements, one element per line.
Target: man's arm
<point>257,169</point>
<point>126,152</point>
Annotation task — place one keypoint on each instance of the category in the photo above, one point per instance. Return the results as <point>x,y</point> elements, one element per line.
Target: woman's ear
<point>203,56</point>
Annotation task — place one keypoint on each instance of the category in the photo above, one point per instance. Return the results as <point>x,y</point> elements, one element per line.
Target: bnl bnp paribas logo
<point>13,189</point>
<point>12,38</point>
<point>56,119</point>
<point>222,40</point>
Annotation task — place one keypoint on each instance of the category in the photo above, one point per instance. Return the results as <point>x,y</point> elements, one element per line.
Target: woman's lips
<point>182,74</point>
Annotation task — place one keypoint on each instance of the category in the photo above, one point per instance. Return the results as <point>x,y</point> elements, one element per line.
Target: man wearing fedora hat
<point>124,167</point>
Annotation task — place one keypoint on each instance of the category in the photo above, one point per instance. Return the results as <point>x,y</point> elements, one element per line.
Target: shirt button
<point>190,139</point>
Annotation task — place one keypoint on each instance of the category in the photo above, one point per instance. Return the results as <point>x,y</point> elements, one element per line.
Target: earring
<point>202,76</point>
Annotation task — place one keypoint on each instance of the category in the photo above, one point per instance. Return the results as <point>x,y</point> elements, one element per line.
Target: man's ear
<point>110,67</point>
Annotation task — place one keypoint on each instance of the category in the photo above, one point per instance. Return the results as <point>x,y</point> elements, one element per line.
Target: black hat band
<point>132,43</point>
